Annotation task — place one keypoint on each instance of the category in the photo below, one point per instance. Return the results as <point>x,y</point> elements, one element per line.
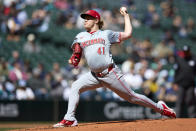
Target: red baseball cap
<point>92,13</point>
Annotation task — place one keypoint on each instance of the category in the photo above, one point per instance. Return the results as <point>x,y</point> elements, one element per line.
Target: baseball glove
<point>76,56</point>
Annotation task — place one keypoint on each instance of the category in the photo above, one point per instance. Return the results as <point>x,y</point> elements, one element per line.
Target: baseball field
<point>138,125</point>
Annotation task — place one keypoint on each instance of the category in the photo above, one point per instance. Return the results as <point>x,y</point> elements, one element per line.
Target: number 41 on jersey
<point>101,50</point>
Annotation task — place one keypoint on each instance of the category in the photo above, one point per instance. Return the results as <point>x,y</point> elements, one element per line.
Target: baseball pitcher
<point>95,45</point>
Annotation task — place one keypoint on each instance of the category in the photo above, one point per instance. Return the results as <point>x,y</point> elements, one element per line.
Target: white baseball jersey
<point>96,48</point>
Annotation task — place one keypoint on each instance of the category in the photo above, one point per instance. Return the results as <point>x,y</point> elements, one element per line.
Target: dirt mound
<point>139,125</point>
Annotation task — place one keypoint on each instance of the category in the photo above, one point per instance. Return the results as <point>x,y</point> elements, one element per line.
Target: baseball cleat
<point>66,123</point>
<point>165,110</point>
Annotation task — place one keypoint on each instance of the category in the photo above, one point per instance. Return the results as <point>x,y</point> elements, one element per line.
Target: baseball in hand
<point>123,10</point>
<point>69,61</point>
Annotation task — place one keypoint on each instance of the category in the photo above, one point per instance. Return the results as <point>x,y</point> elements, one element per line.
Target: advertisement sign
<point>86,111</point>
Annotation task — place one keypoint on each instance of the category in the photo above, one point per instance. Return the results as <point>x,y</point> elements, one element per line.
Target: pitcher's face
<point>89,22</point>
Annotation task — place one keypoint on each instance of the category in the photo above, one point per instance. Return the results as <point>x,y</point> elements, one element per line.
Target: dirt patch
<point>139,125</point>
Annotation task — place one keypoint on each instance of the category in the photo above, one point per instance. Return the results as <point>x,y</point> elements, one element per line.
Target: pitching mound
<point>139,125</point>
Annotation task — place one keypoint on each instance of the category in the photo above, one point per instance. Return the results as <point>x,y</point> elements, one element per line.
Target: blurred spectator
<point>151,18</point>
<point>190,25</point>
<point>78,5</point>
<point>28,68</point>
<point>38,85</point>
<point>145,49</point>
<point>168,36</point>
<point>185,73</point>
<point>161,50</point>
<point>127,65</point>
<point>190,28</point>
<point>23,92</point>
<point>58,87</point>
<point>102,94</point>
<point>133,79</point>
<point>10,89</point>
<point>4,70</point>
<point>56,72</point>
<point>61,4</point>
<point>108,18</point>
<point>3,93</point>
<point>70,23</point>
<point>146,88</point>
<point>13,24</point>
<point>40,68</point>
<point>128,3</point>
<point>16,58</point>
<point>22,17</point>
<point>182,32</point>
<point>45,24</point>
<point>141,66</point>
<point>166,91</point>
<point>31,2</point>
<point>7,6</point>
<point>168,9</point>
<point>135,22</point>
<point>17,73</point>
<point>30,46</point>
<point>48,81</point>
<point>155,22</point>
<point>37,19</point>
<point>177,24</point>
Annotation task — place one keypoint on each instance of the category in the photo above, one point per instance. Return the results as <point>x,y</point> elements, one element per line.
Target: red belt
<point>103,74</point>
